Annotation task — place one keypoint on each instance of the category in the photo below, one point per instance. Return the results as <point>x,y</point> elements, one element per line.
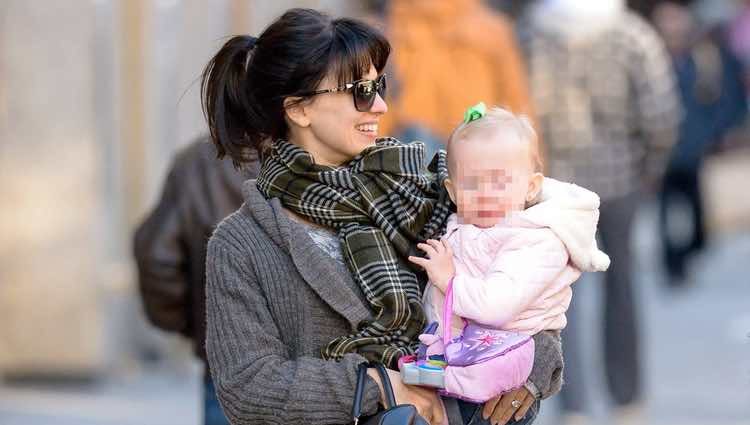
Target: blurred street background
<point>97,96</point>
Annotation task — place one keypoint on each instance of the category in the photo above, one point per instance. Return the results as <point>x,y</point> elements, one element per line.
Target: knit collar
<point>316,267</point>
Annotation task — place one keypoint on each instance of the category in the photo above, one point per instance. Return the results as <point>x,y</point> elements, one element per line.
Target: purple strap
<point>448,314</point>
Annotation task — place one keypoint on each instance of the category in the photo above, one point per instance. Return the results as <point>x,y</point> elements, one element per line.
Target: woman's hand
<point>438,264</point>
<point>500,409</point>
<point>426,401</point>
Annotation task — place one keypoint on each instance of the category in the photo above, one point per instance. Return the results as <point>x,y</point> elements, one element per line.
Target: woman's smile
<point>369,129</point>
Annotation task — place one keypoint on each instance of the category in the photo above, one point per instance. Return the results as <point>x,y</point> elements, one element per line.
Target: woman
<point>278,291</point>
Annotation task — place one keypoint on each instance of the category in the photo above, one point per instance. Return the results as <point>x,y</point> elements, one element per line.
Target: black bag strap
<point>390,399</point>
<point>360,388</point>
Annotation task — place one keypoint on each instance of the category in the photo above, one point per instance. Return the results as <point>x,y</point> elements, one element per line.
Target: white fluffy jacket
<point>517,275</point>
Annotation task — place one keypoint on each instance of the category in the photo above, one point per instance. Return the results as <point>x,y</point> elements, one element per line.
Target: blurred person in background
<point>170,248</point>
<point>448,55</point>
<point>607,108</point>
<point>710,83</point>
<point>739,41</point>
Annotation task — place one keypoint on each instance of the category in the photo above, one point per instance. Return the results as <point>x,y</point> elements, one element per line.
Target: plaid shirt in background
<point>607,107</point>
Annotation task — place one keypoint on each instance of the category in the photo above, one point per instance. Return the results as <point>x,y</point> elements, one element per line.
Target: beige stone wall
<point>49,224</point>
<point>95,97</point>
<point>724,177</point>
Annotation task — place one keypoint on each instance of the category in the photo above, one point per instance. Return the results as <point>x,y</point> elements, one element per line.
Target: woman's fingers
<point>489,407</point>
<point>505,410</point>
<point>527,403</point>
<point>501,411</point>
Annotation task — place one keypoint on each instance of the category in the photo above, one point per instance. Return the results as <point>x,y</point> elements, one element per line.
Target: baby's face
<point>491,179</point>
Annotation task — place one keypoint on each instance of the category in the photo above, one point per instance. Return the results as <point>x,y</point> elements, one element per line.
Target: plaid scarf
<point>381,204</point>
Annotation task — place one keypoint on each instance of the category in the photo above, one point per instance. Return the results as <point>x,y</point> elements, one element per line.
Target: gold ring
<point>516,404</point>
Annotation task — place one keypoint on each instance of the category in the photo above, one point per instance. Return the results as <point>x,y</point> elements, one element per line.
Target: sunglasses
<point>363,92</point>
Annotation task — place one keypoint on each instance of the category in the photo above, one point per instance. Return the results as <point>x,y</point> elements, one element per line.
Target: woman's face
<point>337,132</point>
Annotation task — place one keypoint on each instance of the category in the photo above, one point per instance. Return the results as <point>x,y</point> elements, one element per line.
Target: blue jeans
<point>212,413</point>
<point>472,414</point>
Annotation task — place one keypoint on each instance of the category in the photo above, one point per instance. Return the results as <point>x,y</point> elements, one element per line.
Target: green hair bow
<point>475,112</point>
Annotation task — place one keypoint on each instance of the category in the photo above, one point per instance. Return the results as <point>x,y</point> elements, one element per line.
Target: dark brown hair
<point>244,85</point>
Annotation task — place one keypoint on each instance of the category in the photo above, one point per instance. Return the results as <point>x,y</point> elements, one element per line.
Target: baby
<point>518,240</point>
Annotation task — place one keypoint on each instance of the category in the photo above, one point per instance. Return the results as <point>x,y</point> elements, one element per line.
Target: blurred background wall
<point>95,97</point>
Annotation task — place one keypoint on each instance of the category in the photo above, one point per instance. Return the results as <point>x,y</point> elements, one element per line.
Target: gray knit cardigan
<point>273,299</point>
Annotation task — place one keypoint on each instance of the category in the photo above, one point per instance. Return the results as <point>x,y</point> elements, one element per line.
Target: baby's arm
<point>516,278</point>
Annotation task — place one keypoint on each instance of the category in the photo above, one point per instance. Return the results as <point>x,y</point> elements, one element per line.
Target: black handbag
<point>402,414</point>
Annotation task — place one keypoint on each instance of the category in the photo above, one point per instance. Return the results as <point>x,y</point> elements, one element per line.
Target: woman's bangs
<point>355,47</point>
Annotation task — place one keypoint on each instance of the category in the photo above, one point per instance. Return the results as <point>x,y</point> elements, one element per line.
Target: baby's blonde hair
<point>494,119</point>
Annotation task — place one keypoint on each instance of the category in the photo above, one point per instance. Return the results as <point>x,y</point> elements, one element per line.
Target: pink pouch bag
<point>482,362</point>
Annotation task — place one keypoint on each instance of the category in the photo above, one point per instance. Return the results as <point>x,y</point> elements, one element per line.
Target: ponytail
<point>225,99</point>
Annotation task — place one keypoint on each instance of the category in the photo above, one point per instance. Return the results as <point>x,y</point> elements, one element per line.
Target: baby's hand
<point>439,262</point>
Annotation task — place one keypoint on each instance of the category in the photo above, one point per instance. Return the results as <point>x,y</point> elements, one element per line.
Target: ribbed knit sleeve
<point>547,373</point>
<point>258,378</point>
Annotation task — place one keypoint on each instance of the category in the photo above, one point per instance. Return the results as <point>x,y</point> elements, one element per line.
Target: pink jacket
<point>517,275</point>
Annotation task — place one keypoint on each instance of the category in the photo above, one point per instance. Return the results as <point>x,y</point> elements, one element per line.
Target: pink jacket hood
<point>572,212</point>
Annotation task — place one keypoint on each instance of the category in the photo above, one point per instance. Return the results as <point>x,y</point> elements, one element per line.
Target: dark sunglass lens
<point>364,95</point>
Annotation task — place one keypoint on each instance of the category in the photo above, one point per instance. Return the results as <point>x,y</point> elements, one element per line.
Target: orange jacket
<point>447,56</point>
